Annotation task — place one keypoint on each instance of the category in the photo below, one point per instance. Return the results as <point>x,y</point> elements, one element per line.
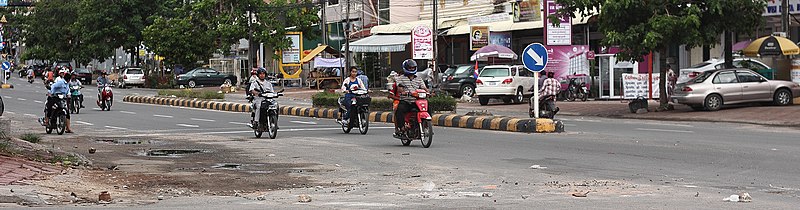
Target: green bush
<point>437,103</point>
<point>31,137</point>
<point>156,82</point>
<point>188,93</point>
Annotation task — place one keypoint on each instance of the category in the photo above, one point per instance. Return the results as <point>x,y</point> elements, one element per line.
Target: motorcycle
<point>75,99</point>
<point>418,123</point>
<point>268,119</point>
<point>359,112</point>
<point>106,98</point>
<point>576,91</point>
<point>545,111</point>
<point>58,117</point>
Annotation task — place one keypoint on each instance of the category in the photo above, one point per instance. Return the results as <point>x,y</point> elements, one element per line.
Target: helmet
<point>261,70</point>
<point>409,67</point>
<point>62,72</point>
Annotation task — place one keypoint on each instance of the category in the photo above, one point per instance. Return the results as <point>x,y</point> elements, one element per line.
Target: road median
<point>510,124</point>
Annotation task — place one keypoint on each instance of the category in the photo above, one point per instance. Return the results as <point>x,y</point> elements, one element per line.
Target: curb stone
<point>510,124</point>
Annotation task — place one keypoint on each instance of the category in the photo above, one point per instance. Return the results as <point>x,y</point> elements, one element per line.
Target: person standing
<point>672,79</point>
<point>426,75</point>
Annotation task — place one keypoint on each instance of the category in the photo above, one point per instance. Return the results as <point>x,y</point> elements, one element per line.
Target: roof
<point>381,43</point>
<point>318,50</point>
<point>405,28</point>
<point>510,25</point>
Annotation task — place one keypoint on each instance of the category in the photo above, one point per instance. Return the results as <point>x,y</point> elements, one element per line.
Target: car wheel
<point>782,97</point>
<point>468,90</point>
<point>713,102</point>
<point>483,100</point>
<point>192,84</point>
<point>227,82</point>
<point>518,97</point>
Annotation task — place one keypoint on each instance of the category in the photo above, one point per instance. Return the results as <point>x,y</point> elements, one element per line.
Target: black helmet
<point>261,70</point>
<point>409,67</point>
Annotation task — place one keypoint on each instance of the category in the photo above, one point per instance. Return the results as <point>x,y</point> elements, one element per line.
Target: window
<point>514,72</point>
<point>495,72</point>
<point>751,65</point>
<point>383,12</point>
<point>333,2</point>
<point>725,78</point>
<point>134,71</point>
<point>744,77</point>
<point>463,69</point>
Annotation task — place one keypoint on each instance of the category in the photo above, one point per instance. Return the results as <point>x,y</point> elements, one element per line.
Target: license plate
<point>675,101</point>
<point>492,83</point>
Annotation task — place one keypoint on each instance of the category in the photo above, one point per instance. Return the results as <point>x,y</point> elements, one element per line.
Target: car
<point>509,83</point>
<point>715,88</point>
<point>691,72</point>
<point>83,75</point>
<point>131,76</point>
<point>204,76</point>
<point>459,81</point>
<point>62,63</point>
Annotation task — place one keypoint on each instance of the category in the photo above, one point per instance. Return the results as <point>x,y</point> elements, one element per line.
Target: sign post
<point>534,57</point>
<point>5,66</point>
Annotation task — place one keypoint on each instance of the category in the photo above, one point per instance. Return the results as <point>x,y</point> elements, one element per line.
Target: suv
<point>131,76</point>
<point>510,83</point>
<point>459,81</point>
<point>63,64</point>
<point>713,64</point>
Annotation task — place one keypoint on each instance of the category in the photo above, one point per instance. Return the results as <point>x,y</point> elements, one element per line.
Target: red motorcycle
<point>106,98</point>
<point>418,124</point>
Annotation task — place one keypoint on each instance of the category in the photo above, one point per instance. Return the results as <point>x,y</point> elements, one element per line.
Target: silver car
<point>712,89</point>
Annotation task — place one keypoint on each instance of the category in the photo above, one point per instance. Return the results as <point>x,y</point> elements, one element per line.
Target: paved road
<point>640,164</point>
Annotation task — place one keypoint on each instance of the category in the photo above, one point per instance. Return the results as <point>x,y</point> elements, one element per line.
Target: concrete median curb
<point>7,86</point>
<point>446,120</point>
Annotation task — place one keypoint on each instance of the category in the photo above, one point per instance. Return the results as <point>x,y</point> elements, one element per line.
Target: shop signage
<point>527,10</point>
<point>488,19</point>
<point>479,37</point>
<point>422,43</point>
<point>774,7</point>
<point>636,85</point>
<point>501,38</point>
<point>557,35</point>
<point>291,55</point>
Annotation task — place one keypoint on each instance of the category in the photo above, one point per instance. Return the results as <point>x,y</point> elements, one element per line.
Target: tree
<point>639,27</point>
<point>179,41</point>
<point>48,31</point>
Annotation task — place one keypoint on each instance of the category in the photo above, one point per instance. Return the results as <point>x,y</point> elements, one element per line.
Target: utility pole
<point>324,23</point>
<point>785,17</point>
<point>250,49</point>
<point>435,47</point>
<point>347,43</point>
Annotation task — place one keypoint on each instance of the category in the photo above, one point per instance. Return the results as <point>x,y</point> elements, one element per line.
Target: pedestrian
<point>362,77</point>
<point>426,75</point>
<point>671,80</point>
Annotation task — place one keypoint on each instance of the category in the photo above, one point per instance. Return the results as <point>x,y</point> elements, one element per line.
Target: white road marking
<point>582,120</point>
<point>38,102</point>
<point>664,130</point>
<point>22,99</point>
<point>204,120</point>
<point>289,130</point>
<point>164,116</point>
<point>302,122</point>
<point>118,128</point>
<point>96,108</point>
<point>8,96</point>
<point>30,115</point>
<point>82,122</point>
<point>668,124</point>
<point>565,124</point>
<point>127,112</point>
<point>11,112</point>
<point>187,125</point>
<point>238,123</point>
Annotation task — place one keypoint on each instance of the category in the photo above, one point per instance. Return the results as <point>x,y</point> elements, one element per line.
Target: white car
<point>132,76</point>
<point>713,64</point>
<point>509,83</point>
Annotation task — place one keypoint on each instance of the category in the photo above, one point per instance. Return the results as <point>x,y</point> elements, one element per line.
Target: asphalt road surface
<point>625,164</point>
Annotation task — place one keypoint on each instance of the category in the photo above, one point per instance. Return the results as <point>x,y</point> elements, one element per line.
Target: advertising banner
<point>479,37</point>
<point>567,60</point>
<point>527,10</point>
<point>774,7</point>
<point>557,35</point>
<point>291,55</point>
<point>636,85</point>
<point>501,38</point>
<point>422,43</point>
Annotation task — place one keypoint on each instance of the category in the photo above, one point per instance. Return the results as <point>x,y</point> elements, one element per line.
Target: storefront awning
<point>318,50</point>
<point>381,43</point>
<point>405,28</point>
<point>509,25</point>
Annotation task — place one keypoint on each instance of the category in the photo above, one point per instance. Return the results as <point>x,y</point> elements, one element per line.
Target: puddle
<point>228,166</point>
<point>172,152</point>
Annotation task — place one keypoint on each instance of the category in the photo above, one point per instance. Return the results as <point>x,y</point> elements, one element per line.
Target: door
<point>754,88</point>
<point>204,77</point>
<point>217,78</point>
<point>528,80</point>
<point>727,84</point>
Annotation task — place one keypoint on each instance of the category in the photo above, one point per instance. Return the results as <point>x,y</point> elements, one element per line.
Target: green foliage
<point>158,82</point>
<point>189,93</point>
<point>65,160</point>
<point>439,103</point>
<point>179,40</point>
<point>31,137</point>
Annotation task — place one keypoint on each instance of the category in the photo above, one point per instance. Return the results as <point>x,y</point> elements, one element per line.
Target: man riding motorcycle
<point>346,87</point>
<point>101,82</point>
<point>257,87</point>
<point>406,84</point>
<point>551,87</point>
<point>59,86</point>
<point>75,82</point>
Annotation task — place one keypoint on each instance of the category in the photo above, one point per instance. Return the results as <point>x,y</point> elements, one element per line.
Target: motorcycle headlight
<point>423,95</point>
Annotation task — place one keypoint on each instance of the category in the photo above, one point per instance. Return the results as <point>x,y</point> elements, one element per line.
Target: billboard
<point>527,10</point>
<point>291,55</point>
<point>422,43</point>
<point>479,37</point>
<point>557,35</point>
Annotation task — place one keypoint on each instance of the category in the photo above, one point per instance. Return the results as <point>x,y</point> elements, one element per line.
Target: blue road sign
<point>6,66</point>
<point>3,3</point>
<point>534,57</point>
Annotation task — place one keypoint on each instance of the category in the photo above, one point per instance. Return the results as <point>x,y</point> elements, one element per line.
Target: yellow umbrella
<point>771,45</point>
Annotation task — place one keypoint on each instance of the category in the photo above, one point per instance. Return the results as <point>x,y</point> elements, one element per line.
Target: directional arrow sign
<point>5,66</point>
<point>535,57</point>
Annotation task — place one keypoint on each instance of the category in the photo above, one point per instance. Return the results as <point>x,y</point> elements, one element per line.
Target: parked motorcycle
<point>106,98</point>
<point>545,111</point>
<point>359,111</point>
<point>58,117</point>
<point>75,100</point>
<point>576,90</point>
<point>268,119</point>
<point>418,124</point>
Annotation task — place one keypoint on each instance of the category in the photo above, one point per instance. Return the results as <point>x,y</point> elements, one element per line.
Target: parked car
<point>509,83</point>
<point>62,63</point>
<point>715,88</point>
<point>460,81</point>
<point>83,75</point>
<point>131,76</point>
<point>204,76</point>
<point>692,72</point>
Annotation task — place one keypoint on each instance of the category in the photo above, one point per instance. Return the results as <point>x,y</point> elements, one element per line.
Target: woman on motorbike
<point>74,82</point>
<point>347,86</point>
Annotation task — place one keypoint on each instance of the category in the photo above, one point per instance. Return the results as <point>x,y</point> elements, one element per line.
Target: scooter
<point>268,119</point>
<point>545,111</point>
<point>76,99</point>
<point>106,98</point>
<point>419,125</point>
<point>359,111</point>
<point>58,117</point>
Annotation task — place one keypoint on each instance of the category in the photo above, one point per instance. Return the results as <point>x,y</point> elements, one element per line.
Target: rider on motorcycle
<point>550,87</point>
<point>102,81</point>
<point>59,87</point>
<point>75,82</point>
<point>257,87</point>
<point>30,73</point>
<point>406,84</point>
<point>347,85</point>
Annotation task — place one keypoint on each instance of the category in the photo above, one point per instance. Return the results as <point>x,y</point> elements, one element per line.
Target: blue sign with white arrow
<point>534,57</point>
<point>6,66</point>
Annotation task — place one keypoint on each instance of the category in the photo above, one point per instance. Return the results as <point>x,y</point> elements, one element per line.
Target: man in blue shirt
<point>59,87</point>
<point>364,79</point>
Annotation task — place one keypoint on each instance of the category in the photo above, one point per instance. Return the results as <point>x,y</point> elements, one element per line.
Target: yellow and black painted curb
<point>446,120</point>
<point>7,86</point>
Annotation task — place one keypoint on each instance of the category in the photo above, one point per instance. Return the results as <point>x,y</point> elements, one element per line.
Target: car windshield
<point>463,69</point>
<point>134,71</point>
<point>449,71</point>
<point>82,71</point>
<point>701,65</point>
<point>495,72</point>
<point>702,77</point>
